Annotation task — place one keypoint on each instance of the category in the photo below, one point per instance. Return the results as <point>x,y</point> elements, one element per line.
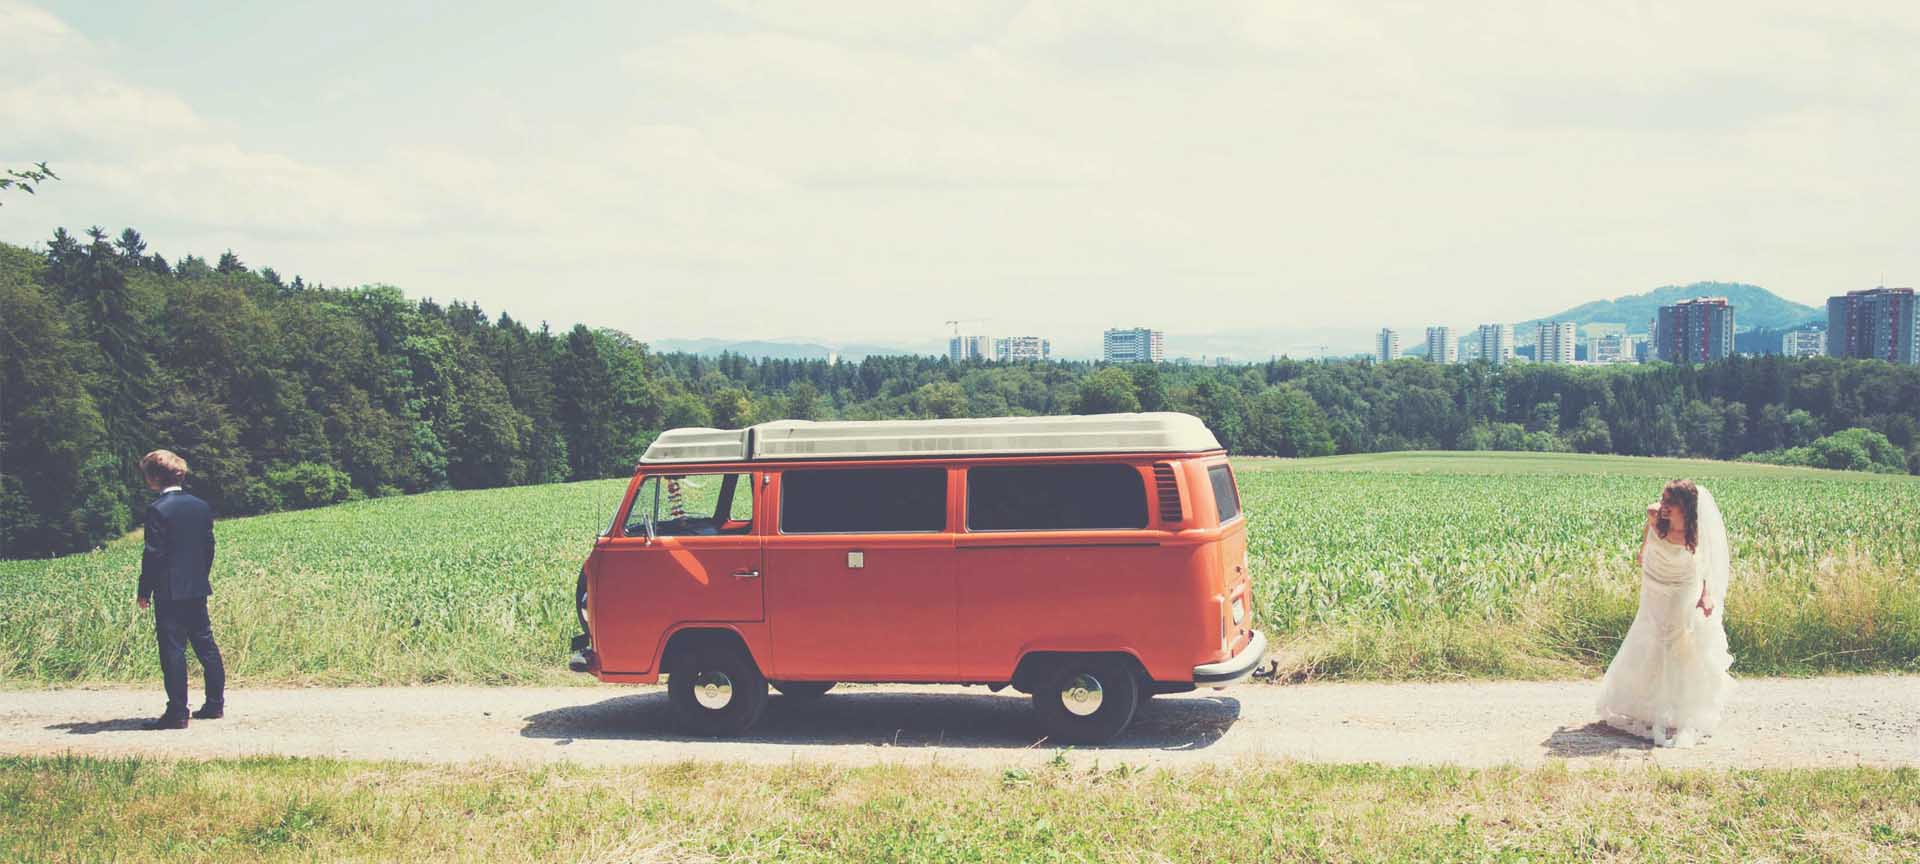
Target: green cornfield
<point>1383,566</point>
<point>1437,565</point>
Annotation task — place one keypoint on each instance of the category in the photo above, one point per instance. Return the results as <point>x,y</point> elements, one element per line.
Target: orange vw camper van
<point>1088,561</point>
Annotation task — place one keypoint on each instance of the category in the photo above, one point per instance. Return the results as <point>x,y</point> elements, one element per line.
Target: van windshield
<point>692,505</point>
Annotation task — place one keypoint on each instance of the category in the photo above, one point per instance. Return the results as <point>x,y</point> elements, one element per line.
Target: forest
<point>283,394</point>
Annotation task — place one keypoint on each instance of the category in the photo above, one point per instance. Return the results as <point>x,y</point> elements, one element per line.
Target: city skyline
<point>1597,342</point>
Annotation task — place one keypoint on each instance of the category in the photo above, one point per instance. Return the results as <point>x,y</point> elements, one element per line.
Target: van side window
<point>857,500</point>
<point>692,505</point>
<point>1226,496</point>
<point>1055,497</point>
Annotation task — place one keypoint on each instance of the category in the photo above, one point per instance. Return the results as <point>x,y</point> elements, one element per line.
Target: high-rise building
<point>1386,346</point>
<point>1876,323</point>
<point>1440,345</point>
<point>1133,345</point>
<point>1022,349</point>
<point>1694,331</point>
<point>1554,343</point>
<point>961,348</point>
<point>1611,348</point>
<point>1803,343</point>
<point>1495,343</point>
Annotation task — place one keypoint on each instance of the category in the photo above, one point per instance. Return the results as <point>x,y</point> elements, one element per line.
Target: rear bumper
<point>1233,669</point>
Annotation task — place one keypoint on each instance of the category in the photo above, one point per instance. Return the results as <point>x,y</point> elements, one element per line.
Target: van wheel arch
<point>694,638</point>
<point>1034,665</point>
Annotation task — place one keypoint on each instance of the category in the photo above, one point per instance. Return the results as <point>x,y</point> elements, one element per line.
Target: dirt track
<point>1771,723</point>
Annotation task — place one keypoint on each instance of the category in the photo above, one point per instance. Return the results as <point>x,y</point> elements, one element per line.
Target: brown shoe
<point>167,721</point>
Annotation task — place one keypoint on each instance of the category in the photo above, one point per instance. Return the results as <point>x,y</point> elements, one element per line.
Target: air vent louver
<point>1167,487</point>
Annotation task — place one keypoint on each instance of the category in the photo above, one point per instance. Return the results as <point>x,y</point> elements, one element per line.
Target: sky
<point>864,172</point>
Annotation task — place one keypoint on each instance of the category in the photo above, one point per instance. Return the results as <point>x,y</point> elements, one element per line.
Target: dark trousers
<point>175,624</point>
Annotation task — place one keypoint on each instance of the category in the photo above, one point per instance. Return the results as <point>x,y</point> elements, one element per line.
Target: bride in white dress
<point>1669,682</point>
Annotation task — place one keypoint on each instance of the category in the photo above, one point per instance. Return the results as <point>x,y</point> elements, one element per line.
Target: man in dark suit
<point>173,581</point>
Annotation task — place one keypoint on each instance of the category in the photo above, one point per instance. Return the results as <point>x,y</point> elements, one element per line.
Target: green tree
<point>940,400</point>
<point>486,438</point>
<point>803,401</point>
<point>584,406</point>
<point>59,485</point>
<point>1108,391</point>
<point>1285,422</point>
<point>1149,387</point>
<point>1591,433</point>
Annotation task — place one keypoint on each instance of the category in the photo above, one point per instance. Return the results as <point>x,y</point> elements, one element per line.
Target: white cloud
<point>860,171</point>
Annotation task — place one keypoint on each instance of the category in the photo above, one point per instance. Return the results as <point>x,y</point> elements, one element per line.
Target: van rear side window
<point>859,500</point>
<point>1226,496</point>
<point>1055,497</point>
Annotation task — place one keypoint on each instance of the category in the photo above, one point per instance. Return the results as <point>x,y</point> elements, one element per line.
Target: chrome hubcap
<point>713,690</point>
<point>1082,695</point>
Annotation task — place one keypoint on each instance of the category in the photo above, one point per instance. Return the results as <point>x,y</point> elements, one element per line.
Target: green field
<point>75,809</point>
<point>1436,564</point>
<point>1377,566</point>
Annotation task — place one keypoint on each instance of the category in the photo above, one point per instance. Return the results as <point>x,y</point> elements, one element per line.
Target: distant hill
<point>1753,307</point>
<point>776,350</point>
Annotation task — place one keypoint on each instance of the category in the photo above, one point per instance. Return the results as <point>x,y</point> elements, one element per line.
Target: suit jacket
<point>179,551</point>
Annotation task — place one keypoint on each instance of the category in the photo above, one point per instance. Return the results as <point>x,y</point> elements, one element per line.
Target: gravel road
<point>1771,723</point>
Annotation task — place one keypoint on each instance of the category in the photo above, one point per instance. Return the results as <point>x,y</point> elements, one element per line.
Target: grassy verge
<point>76,809</point>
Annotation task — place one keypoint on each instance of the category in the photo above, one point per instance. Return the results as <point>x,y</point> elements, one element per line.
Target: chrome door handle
<point>746,574</point>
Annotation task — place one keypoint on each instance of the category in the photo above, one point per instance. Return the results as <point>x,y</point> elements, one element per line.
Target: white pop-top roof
<point>1162,432</point>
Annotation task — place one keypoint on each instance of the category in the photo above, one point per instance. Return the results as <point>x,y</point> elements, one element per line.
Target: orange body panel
<point>949,606</point>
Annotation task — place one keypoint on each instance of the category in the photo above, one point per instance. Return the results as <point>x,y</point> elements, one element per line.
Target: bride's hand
<point>1705,608</point>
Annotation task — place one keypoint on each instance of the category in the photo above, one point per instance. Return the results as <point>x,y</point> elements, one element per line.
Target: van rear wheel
<point>1086,700</point>
<point>716,690</point>
<point>803,689</point>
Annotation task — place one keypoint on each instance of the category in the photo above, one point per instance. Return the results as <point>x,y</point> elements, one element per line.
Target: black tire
<point>803,690</point>
<point>700,672</point>
<point>1118,695</point>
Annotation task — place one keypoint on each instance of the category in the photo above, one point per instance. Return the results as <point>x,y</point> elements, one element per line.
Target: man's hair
<point>164,466</point>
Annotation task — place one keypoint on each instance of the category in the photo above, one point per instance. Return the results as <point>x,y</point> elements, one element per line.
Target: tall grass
<point>1373,573</point>
<point>1450,567</point>
<point>473,587</point>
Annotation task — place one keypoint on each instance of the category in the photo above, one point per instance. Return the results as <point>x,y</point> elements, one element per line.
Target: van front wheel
<point>716,690</point>
<point>1086,700</point>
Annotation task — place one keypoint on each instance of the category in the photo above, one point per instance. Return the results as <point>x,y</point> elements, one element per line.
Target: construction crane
<point>955,324</point>
<point>1323,350</point>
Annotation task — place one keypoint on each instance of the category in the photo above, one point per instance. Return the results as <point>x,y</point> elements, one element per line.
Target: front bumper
<point>582,659</point>
<point>1233,669</point>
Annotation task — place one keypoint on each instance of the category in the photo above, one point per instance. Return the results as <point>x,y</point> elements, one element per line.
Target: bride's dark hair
<point>1686,496</point>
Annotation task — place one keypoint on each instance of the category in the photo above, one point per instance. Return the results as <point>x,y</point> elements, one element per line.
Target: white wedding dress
<point>1669,682</point>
